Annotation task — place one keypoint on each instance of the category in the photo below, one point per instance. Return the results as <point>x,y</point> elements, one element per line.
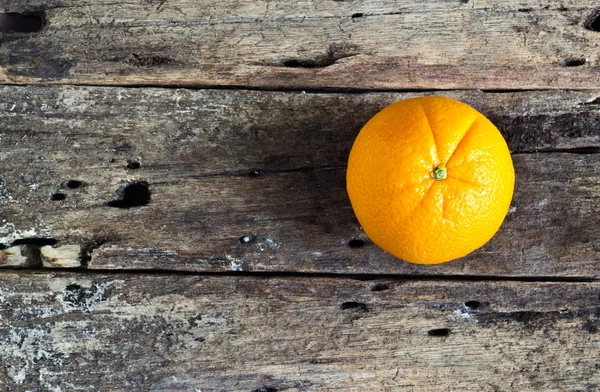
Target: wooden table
<point>174,214</point>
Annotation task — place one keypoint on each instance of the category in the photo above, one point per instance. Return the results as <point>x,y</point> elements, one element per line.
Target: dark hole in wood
<point>575,62</point>
<point>2,246</point>
<point>353,305</point>
<point>380,287</point>
<point>133,165</point>
<point>593,22</point>
<point>356,243</point>
<point>320,62</point>
<point>525,9</point>
<point>473,304</point>
<point>135,194</point>
<point>74,184</point>
<point>35,241</point>
<point>73,287</point>
<point>247,239</point>
<point>357,15</point>
<point>439,332</point>
<point>524,317</point>
<point>20,23</point>
<point>255,173</point>
<point>295,63</point>
<point>58,196</point>
<point>266,389</point>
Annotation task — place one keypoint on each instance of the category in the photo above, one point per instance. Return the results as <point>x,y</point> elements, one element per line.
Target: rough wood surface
<point>66,332</point>
<point>307,44</point>
<point>254,181</point>
<point>251,183</point>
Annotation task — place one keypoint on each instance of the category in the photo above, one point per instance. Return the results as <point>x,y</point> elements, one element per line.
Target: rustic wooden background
<point>173,214</point>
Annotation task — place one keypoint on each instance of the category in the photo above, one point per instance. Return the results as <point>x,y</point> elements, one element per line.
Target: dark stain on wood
<point>266,389</point>
<point>380,287</point>
<point>76,295</point>
<point>149,60</point>
<point>536,319</point>
<point>543,131</point>
<point>124,149</point>
<point>591,326</point>
<point>27,58</point>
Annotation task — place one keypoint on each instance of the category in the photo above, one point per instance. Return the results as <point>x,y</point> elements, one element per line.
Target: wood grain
<point>250,181</point>
<point>307,44</point>
<point>248,186</point>
<point>165,333</point>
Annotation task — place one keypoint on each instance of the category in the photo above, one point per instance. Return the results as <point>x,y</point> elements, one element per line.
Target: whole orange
<point>430,179</point>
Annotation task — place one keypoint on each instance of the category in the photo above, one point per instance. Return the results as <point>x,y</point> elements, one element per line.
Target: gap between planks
<point>295,89</point>
<point>312,275</point>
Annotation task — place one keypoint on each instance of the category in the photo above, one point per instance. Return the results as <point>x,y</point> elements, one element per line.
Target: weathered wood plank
<point>164,333</point>
<point>303,222</point>
<point>225,165</point>
<point>219,131</point>
<point>307,44</point>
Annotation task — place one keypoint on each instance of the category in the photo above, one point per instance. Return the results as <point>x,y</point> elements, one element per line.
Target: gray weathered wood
<point>225,165</point>
<point>165,333</point>
<point>307,44</point>
<point>253,181</point>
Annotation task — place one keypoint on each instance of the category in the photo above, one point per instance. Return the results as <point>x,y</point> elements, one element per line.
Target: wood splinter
<point>12,257</point>
<point>66,256</point>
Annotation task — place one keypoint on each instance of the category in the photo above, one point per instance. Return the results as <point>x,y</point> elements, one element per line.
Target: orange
<point>430,179</point>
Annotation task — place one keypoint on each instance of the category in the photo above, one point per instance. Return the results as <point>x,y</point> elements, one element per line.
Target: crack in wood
<point>332,56</point>
<point>574,150</point>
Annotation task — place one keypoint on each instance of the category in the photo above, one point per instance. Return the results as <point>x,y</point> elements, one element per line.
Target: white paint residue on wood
<point>234,263</point>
